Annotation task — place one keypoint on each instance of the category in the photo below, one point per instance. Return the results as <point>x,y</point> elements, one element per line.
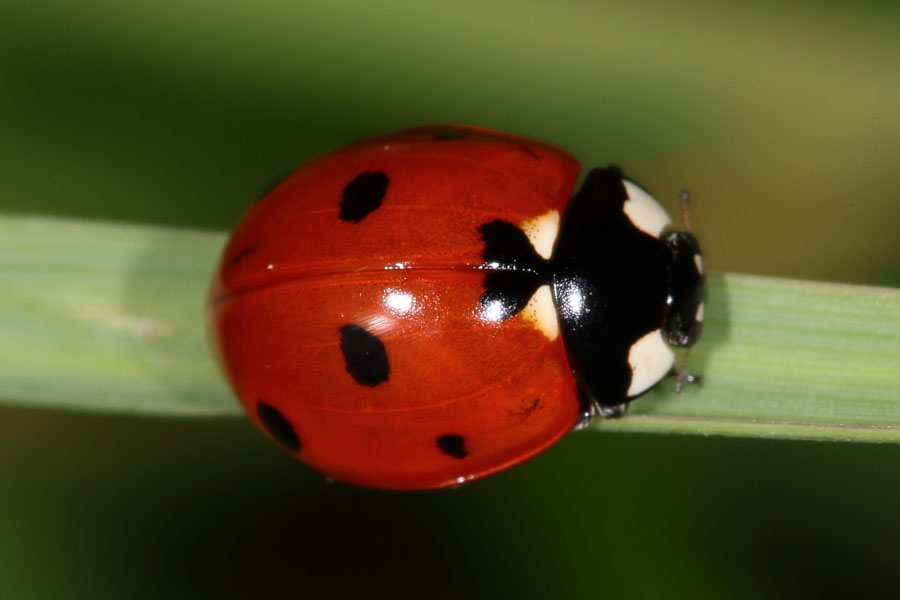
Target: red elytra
<point>345,311</point>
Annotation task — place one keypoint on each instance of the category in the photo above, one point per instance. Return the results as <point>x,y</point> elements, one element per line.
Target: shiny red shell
<point>462,397</point>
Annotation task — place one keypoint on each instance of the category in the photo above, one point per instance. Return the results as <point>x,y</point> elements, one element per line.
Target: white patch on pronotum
<point>541,313</point>
<point>542,232</point>
<point>650,358</point>
<point>699,316</point>
<point>643,211</point>
<point>699,263</point>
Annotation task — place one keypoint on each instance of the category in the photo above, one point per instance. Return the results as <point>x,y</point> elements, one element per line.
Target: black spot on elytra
<point>449,134</point>
<point>278,426</point>
<point>237,258</point>
<point>363,195</point>
<point>507,247</point>
<point>453,445</point>
<point>364,355</point>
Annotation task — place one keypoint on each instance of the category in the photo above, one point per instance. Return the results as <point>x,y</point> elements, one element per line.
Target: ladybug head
<point>686,289</point>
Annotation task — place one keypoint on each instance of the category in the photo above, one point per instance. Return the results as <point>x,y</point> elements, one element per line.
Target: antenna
<point>685,210</point>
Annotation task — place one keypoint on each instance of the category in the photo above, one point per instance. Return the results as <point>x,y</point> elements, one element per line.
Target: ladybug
<point>422,309</point>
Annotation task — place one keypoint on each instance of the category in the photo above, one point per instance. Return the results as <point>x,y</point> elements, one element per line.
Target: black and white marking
<point>515,270</point>
<point>622,290</point>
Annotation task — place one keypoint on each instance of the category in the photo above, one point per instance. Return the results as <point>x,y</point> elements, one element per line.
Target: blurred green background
<point>783,119</point>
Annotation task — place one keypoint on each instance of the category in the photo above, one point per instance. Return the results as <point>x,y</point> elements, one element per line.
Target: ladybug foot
<point>682,377</point>
<point>613,412</point>
<point>585,417</point>
<point>607,412</point>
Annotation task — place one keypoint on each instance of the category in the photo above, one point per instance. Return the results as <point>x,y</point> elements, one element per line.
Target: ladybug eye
<point>686,289</point>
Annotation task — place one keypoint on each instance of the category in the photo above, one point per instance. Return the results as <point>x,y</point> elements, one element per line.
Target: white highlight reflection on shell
<point>572,299</point>
<point>493,311</point>
<point>399,302</point>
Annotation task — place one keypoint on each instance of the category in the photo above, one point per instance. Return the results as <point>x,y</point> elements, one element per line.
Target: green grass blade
<point>110,317</point>
<point>787,359</point>
<point>107,317</point>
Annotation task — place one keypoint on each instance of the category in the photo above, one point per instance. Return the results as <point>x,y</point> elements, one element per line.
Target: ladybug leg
<point>587,406</point>
<point>681,375</point>
<point>613,412</point>
<point>585,416</point>
<point>607,412</point>
<point>590,408</point>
